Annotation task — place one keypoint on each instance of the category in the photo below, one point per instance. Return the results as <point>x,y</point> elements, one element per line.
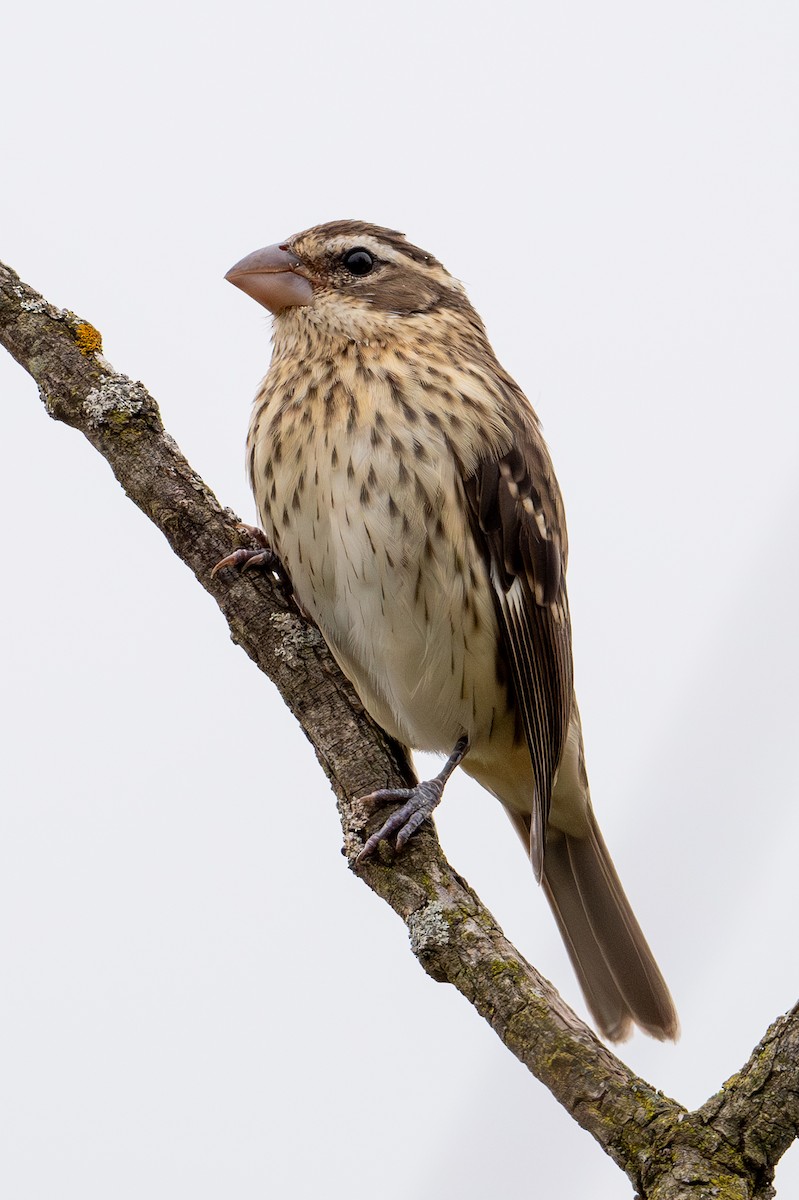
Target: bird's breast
<point>369,518</point>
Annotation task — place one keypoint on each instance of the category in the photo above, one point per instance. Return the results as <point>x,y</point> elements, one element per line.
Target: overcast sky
<point>182,1013</point>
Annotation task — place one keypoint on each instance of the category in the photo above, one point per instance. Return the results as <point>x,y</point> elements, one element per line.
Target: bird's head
<point>351,279</point>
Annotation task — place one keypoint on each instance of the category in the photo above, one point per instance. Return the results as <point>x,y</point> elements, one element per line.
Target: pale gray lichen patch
<point>295,637</point>
<point>118,397</point>
<point>30,305</point>
<point>428,928</point>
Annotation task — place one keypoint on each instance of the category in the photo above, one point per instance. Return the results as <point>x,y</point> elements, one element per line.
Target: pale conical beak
<point>270,277</point>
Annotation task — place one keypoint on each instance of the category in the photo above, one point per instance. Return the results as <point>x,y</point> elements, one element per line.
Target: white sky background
<point>198,998</point>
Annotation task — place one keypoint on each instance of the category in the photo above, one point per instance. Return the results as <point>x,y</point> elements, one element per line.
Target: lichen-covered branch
<point>729,1147</point>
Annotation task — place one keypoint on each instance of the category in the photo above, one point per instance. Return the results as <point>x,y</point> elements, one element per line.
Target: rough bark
<point>729,1147</point>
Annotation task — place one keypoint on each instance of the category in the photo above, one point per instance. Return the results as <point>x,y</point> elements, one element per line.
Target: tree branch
<point>730,1146</point>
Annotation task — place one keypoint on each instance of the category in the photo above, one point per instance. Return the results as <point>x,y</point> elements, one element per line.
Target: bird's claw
<point>246,558</point>
<point>404,821</point>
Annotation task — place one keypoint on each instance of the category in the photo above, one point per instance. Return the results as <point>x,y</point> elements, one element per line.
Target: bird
<point>404,485</point>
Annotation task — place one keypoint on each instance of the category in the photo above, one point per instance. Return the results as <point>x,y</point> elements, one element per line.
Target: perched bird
<point>402,479</point>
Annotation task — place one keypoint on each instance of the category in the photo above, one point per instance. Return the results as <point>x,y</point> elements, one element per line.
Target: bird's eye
<point>358,261</point>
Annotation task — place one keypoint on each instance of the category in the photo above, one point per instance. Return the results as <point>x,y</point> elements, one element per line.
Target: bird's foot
<point>419,803</point>
<point>246,558</point>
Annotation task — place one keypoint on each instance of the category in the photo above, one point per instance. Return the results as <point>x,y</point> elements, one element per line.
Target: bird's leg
<point>419,804</point>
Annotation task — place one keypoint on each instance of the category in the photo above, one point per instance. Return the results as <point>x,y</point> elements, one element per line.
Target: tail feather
<point>614,965</point>
<point>603,997</point>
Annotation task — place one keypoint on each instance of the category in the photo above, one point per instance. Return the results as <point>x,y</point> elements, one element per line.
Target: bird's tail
<point>616,969</point>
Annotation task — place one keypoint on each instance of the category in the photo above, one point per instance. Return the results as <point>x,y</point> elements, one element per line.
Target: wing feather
<point>517,520</point>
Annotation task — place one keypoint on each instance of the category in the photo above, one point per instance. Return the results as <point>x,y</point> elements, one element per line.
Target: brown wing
<point>517,520</point>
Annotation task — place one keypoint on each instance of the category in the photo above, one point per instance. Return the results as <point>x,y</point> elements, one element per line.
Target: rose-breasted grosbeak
<point>402,479</point>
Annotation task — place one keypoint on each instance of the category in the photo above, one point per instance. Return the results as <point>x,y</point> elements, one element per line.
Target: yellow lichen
<point>89,339</point>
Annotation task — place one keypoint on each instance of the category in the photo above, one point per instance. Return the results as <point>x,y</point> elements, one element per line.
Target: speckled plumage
<point>355,505</point>
<point>401,477</point>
